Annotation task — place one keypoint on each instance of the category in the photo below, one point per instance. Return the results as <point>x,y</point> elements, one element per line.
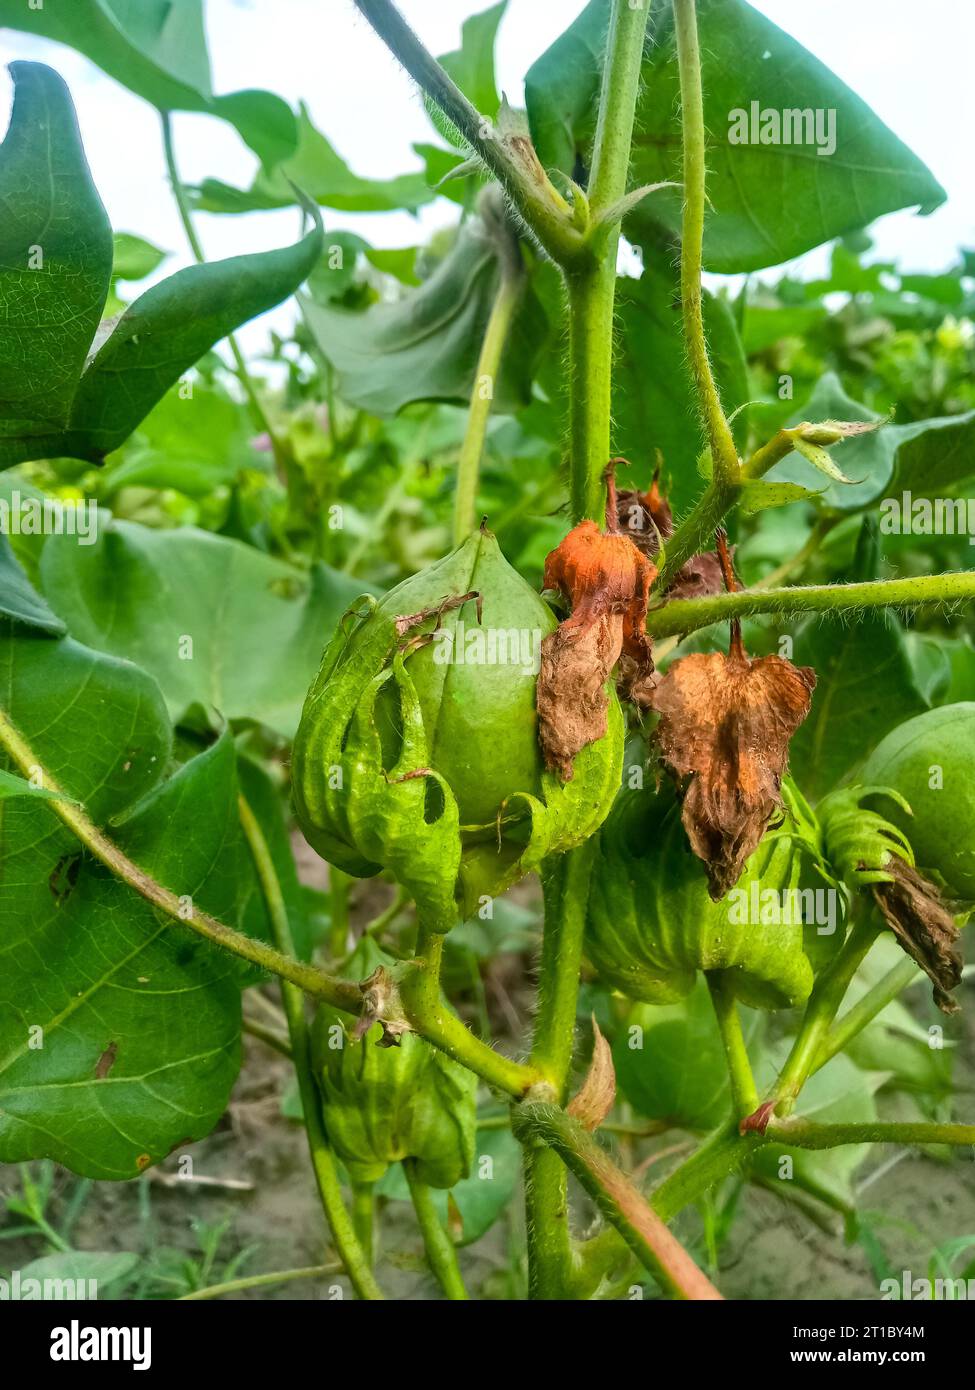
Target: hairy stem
<point>565,882</point>
<point>513,162</point>
<point>619,1201</point>
<point>506,302</point>
<point>347,1242</point>
<point>724,455</point>
<point>682,616</point>
<point>592,287</point>
<point>806,1134</point>
<point>258,413</point>
<point>866,1009</point>
<point>441,1252</point>
<point>428,1013</point>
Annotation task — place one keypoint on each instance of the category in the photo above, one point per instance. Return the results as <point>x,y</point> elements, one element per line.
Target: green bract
<point>383,1104</point>
<point>653,925</point>
<point>418,749</point>
<point>930,760</point>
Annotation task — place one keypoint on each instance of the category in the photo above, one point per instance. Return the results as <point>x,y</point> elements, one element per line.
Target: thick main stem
<point>356,1261</point>
<point>724,455</point>
<point>565,881</point>
<point>592,287</point>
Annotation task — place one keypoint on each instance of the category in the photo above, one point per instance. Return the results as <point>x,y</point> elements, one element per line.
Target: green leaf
<point>55,258</point>
<point>472,65</point>
<point>157,48</point>
<point>217,622</point>
<point>55,266</point>
<point>426,345</point>
<point>20,600</point>
<point>192,442</point>
<point>170,328</point>
<point>769,202</point>
<point>139,1040</point>
<point>103,1268</point>
<point>670,1062</point>
<point>864,682</point>
<point>654,403</point>
<point>320,172</point>
<point>134,257</point>
<point>13,785</point>
<point>925,455</point>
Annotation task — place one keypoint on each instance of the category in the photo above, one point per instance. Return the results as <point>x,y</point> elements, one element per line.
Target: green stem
<point>822,1008</point>
<point>687,615</point>
<point>269,1036</point>
<point>364,1218</point>
<point>347,1244</point>
<point>428,1013</point>
<point>592,287</point>
<point>261,1281</point>
<point>441,1251</point>
<point>724,454</point>
<point>866,1009</point>
<point>619,1201</point>
<point>338,902</point>
<point>806,1134</point>
<point>259,414</point>
<point>506,302</point>
<point>743,1089</point>
<point>513,162</point>
<point>565,883</point>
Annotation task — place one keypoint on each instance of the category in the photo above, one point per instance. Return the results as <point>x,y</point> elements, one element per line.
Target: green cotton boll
<point>381,1105</point>
<point>418,752</point>
<point>652,924</point>
<point>930,762</point>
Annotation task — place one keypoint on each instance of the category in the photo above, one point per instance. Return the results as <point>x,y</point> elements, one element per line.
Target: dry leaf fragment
<point>595,1099</point>
<point>916,914</point>
<point>725,724</point>
<point>606,581</point>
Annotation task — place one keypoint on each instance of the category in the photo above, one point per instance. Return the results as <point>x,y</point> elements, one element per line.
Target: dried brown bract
<point>725,726</point>
<point>917,915</point>
<point>606,581</point>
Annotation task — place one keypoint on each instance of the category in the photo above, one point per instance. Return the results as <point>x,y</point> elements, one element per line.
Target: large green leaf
<point>770,202</point>
<point>119,1033</point>
<point>55,257</point>
<point>217,622</point>
<point>320,172</point>
<point>924,456</point>
<point>52,305</point>
<point>425,346</point>
<point>670,1061</point>
<point>865,687</point>
<point>157,48</point>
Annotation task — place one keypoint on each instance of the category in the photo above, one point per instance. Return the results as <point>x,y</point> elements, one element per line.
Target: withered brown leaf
<point>725,726</point>
<point>594,1100</point>
<point>918,916</point>
<point>606,581</point>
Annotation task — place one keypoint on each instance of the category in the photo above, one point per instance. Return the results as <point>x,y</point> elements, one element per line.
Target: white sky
<point>912,63</point>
